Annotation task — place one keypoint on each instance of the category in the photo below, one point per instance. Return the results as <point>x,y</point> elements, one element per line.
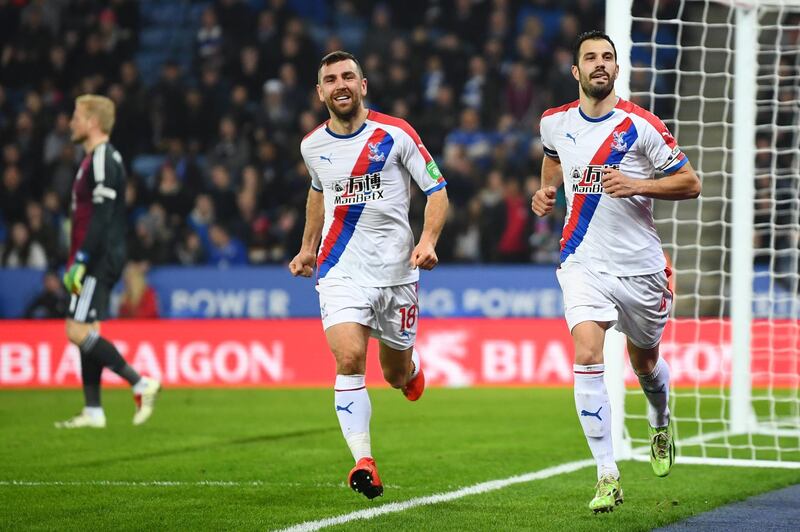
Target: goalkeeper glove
<point>73,278</point>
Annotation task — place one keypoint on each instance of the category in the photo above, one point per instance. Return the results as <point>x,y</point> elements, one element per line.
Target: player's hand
<point>618,185</point>
<point>424,256</point>
<point>303,264</point>
<point>73,278</point>
<point>543,201</point>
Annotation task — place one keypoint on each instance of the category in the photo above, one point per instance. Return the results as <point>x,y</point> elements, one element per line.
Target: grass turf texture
<point>287,445</point>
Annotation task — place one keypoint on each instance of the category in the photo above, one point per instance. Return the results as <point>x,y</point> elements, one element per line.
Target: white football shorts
<point>638,306</point>
<point>392,312</point>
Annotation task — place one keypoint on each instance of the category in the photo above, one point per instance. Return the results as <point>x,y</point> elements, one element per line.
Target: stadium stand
<point>214,97</point>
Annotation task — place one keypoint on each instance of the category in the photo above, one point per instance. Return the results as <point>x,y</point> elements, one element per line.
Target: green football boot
<point>662,450</point>
<point>608,494</point>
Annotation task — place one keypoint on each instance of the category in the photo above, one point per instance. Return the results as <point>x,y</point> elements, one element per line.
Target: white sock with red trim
<point>353,410</point>
<point>594,413</point>
<point>656,389</point>
<point>415,360</point>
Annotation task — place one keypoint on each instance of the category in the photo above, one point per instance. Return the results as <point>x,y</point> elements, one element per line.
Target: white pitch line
<point>129,483</point>
<point>171,483</point>
<point>475,489</point>
<point>730,462</point>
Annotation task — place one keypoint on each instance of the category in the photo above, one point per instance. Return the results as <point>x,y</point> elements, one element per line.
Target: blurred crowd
<point>211,141</point>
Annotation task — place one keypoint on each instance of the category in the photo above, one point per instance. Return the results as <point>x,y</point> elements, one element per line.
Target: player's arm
<point>424,254</point>
<point>107,185</point>
<point>303,262</point>
<point>659,146</point>
<point>544,199</point>
<point>680,185</point>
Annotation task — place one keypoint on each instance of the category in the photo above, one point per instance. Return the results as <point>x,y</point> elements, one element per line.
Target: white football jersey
<point>613,235</point>
<point>365,178</point>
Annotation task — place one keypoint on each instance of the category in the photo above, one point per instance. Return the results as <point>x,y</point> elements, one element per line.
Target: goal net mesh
<point>682,60</point>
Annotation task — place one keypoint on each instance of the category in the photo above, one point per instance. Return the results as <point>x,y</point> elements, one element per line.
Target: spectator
<point>171,195</point>
<point>198,125</point>
<point>232,150</point>
<point>13,194</point>
<point>493,216</point>
<point>274,114</point>
<point>147,243</point>
<point>58,137</point>
<point>476,141</point>
<point>225,250</point>
<point>519,93</point>
<point>189,251</point>
<point>41,232</point>
<point>381,32</point>
<point>438,120</point>
<point>209,38</point>
<point>51,302</point>
<point>468,237</point>
<point>513,246</point>
<point>22,252</point>
<point>168,104</point>
<point>201,218</point>
<point>222,194</point>
<point>139,300</point>
<point>249,72</point>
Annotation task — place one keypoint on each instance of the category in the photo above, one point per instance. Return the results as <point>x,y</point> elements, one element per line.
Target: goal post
<point>725,78</point>
<point>744,126</point>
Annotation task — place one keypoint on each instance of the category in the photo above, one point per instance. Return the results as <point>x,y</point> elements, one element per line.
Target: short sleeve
<point>419,163</point>
<point>545,131</point>
<point>661,148</point>
<point>316,183</point>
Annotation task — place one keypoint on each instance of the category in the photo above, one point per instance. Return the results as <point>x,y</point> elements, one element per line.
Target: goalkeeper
<point>96,259</point>
<point>607,152</point>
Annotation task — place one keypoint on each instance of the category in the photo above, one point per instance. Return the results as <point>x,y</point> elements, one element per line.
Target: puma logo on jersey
<point>329,158</point>
<point>572,137</point>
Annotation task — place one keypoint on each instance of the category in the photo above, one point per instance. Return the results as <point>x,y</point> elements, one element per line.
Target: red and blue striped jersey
<point>365,178</point>
<point>614,235</point>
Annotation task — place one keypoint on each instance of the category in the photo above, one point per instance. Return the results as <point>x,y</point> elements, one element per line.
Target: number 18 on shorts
<point>391,311</point>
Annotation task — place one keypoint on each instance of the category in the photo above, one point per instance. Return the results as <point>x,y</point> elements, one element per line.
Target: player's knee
<point>643,366</point>
<point>76,332</point>
<point>350,364</point>
<point>585,356</point>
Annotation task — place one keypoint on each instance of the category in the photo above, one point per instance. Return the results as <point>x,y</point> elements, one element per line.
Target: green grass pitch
<point>285,462</point>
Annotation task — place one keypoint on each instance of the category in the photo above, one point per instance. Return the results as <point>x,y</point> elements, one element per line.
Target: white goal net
<point>725,78</point>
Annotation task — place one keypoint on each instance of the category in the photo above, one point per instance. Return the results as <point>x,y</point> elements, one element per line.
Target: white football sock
<point>656,389</point>
<point>141,385</point>
<point>594,413</point>
<point>94,412</point>
<point>353,410</point>
<point>415,360</point>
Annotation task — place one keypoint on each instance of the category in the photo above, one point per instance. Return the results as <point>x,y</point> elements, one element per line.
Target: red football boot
<point>363,478</point>
<point>414,388</point>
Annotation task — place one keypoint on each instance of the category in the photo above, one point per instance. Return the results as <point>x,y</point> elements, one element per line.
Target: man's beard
<point>346,116</point>
<point>79,139</point>
<point>598,92</point>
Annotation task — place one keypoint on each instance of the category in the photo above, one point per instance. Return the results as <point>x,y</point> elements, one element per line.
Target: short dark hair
<point>335,57</point>
<point>589,35</point>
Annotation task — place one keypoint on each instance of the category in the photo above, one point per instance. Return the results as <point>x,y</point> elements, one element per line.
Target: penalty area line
<point>437,498</point>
